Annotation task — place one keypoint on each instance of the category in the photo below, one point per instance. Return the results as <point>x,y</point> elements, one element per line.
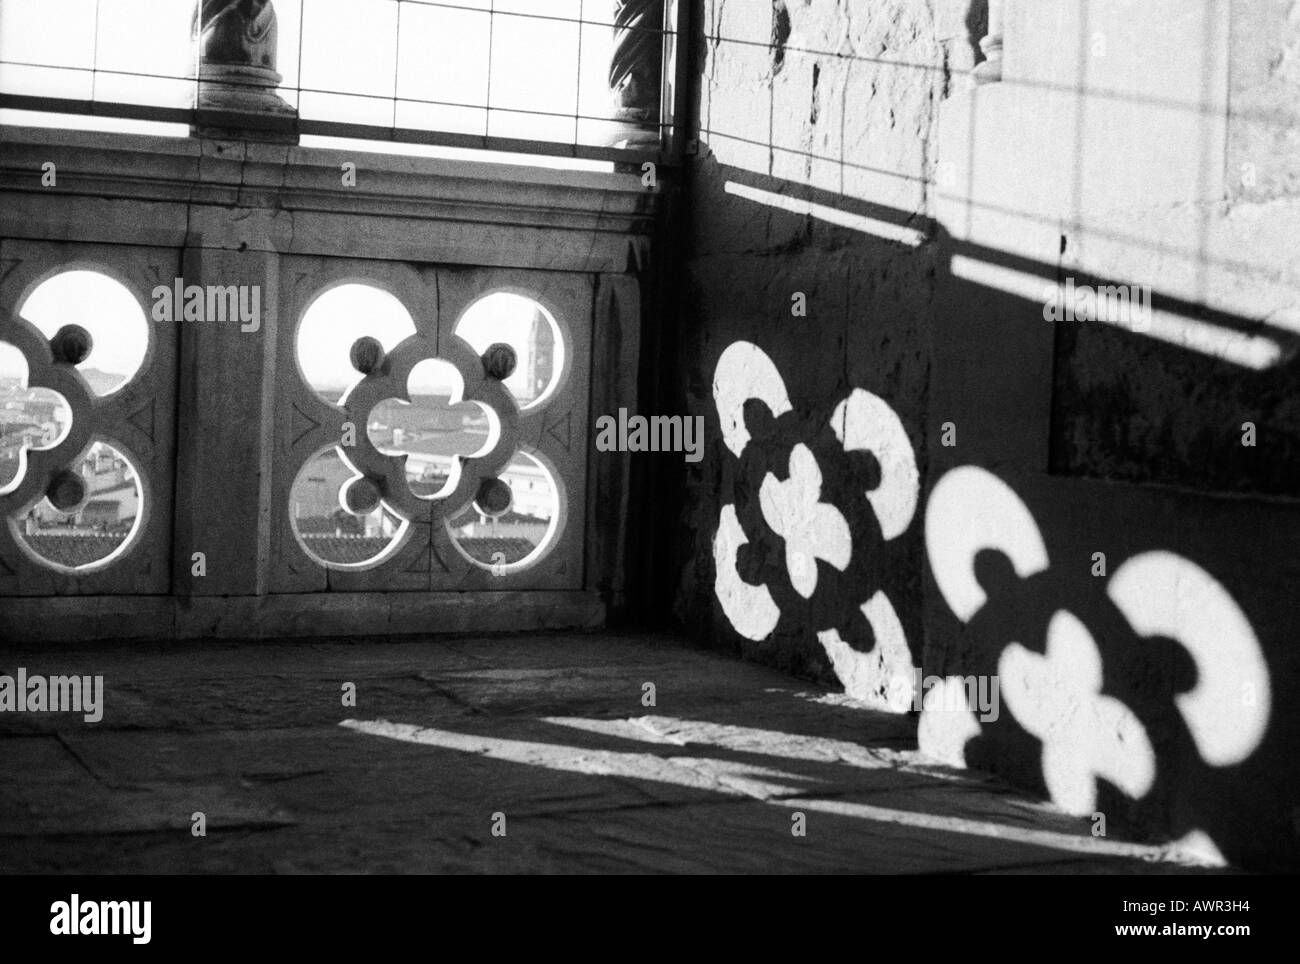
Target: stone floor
<point>447,736</point>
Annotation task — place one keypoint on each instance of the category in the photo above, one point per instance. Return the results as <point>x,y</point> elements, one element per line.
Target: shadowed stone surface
<point>551,731</point>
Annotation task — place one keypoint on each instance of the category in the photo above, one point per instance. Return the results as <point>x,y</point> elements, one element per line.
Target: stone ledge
<point>84,619</point>
<point>249,174</point>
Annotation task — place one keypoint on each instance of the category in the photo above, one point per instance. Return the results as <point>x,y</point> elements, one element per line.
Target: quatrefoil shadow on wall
<point>1110,683</point>
<point>819,546</point>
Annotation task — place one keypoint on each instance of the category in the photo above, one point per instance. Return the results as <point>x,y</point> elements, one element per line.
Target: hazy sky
<point>342,315</point>
<point>102,306</point>
<point>329,328</point>
<point>352,60</point>
<point>437,54</point>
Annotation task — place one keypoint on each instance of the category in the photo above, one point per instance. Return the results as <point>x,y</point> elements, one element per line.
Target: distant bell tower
<point>541,354</point>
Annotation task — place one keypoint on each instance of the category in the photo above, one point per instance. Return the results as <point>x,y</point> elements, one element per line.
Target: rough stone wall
<point>1264,98</point>
<point>815,116</point>
<point>1140,634</point>
<point>1128,408</point>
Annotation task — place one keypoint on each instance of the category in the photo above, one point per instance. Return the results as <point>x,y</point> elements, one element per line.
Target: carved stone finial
<point>989,70</point>
<point>636,70</point>
<point>361,496</point>
<point>500,360</point>
<point>71,345</point>
<point>237,32</point>
<point>66,491</point>
<point>367,354</point>
<point>237,47</point>
<point>494,497</point>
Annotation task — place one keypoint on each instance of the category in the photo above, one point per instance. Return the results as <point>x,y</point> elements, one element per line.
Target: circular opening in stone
<point>95,523</point>
<point>521,536</point>
<point>107,311</point>
<point>328,531</point>
<point>332,325</point>
<point>537,339</point>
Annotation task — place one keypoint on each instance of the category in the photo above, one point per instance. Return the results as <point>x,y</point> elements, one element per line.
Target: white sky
<point>349,50</point>
<point>101,305</point>
<point>12,363</point>
<point>343,314</point>
<point>439,54</point>
<point>329,328</point>
<point>335,321</point>
<point>508,318</point>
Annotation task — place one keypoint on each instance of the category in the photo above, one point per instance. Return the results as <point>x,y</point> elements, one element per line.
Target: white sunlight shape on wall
<point>763,784</point>
<point>1250,351</point>
<point>822,212</point>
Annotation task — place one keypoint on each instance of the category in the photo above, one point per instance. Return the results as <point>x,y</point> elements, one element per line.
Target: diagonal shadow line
<point>829,778</point>
<point>831,199</point>
<point>846,203</point>
<point>926,818</point>
<point>1047,271</point>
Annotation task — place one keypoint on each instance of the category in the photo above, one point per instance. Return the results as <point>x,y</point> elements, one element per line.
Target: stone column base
<point>634,128</point>
<point>244,90</point>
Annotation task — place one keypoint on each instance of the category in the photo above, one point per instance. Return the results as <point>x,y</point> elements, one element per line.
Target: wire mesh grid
<point>534,76</point>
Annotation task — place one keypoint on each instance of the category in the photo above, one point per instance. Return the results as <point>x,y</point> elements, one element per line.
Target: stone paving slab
<point>550,731</point>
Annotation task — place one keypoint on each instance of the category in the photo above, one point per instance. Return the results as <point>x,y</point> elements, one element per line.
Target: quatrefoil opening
<point>73,502</point>
<point>431,426</point>
<point>432,429</point>
<point>428,421</point>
